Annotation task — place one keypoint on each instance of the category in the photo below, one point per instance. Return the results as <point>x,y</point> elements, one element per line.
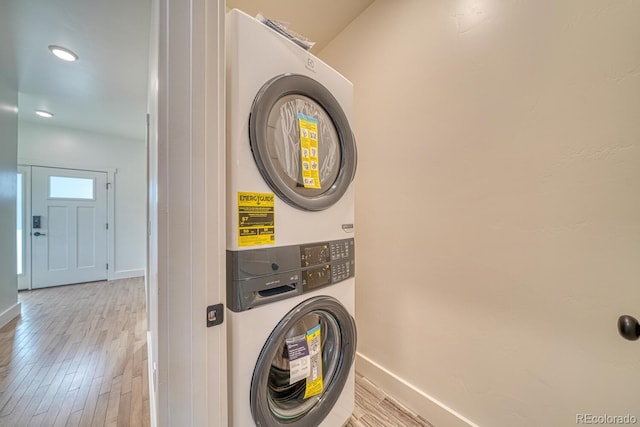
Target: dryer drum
<point>277,402</point>
<point>274,136</point>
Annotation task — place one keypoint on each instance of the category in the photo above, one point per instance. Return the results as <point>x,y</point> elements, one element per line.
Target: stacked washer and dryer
<point>291,160</point>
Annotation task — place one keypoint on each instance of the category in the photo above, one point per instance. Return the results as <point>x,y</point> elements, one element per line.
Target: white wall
<point>9,306</point>
<point>58,146</point>
<point>498,205</point>
<point>151,279</point>
<point>189,208</point>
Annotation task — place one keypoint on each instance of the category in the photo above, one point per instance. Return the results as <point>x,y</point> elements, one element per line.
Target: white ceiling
<point>106,90</point>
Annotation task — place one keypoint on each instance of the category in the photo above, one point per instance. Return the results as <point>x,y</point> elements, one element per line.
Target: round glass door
<point>304,365</point>
<point>302,142</point>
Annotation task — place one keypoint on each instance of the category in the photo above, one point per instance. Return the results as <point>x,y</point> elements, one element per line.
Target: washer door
<point>285,107</point>
<point>278,396</point>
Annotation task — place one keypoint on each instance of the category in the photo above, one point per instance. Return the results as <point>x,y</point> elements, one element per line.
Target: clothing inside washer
<point>286,400</point>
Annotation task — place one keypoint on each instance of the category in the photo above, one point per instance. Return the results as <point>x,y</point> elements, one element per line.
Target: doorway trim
<point>111,174</point>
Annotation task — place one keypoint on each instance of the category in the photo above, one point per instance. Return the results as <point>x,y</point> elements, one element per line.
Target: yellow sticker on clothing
<point>256,219</point>
<point>309,157</point>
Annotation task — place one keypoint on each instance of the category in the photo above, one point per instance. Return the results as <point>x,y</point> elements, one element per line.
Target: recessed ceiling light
<point>63,53</point>
<point>43,113</point>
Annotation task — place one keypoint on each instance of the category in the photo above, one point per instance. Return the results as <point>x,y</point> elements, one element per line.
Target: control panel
<point>326,263</point>
<point>261,276</point>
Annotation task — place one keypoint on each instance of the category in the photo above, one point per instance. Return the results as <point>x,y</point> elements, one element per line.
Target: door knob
<point>37,233</point>
<point>629,327</point>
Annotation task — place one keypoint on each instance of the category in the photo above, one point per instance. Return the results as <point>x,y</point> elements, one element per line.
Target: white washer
<point>260,393</point>
<point>290,246</point>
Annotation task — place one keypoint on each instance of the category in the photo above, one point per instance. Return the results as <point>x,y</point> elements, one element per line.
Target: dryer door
<point>302,142</point>
<point>318,336</point>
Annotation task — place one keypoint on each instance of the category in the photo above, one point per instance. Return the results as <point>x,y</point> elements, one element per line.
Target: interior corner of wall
<point>423,404</point>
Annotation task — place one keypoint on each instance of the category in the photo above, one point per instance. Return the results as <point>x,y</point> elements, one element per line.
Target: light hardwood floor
<point>77,356</point>
<point>375,409</point>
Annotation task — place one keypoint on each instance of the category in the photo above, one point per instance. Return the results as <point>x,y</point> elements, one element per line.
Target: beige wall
<point>498,205</point>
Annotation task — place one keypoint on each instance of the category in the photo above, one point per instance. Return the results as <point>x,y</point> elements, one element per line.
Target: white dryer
<point>290,248</point>
<point>280,193</point>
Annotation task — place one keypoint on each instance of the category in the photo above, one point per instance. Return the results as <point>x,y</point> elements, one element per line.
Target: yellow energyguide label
<point>314,380</point>
<point>256,219</point>
<point>309,157</point>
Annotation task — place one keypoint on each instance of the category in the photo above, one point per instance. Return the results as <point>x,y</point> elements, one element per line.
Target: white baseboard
<point>9,314</point>
<point>152,394</point>
<point>126,274</point>
<point>406,393</point>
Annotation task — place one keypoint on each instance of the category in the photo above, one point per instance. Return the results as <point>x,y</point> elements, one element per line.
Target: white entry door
<point>68,226</point>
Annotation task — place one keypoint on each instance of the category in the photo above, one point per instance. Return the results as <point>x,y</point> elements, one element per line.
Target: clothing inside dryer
<point>287,400</point>
<point>283,136</point>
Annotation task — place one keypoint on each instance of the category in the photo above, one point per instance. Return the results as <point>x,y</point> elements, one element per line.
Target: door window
<point>66,187</point>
